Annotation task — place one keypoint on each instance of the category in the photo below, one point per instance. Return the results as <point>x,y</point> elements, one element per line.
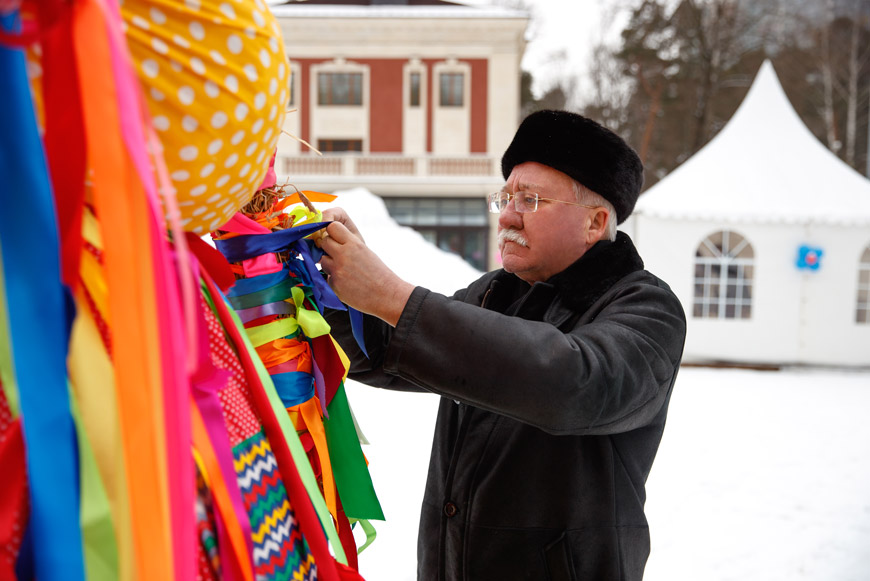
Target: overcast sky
<point>565,27</point>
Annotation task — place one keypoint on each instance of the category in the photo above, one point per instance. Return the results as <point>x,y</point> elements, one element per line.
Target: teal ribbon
<point>272,294</point>
<point>39,321</point>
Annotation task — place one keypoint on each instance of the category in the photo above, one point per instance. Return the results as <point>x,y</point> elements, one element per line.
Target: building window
<point>414,97</point>
<point>724,264</point>
<point>452,89</point>
<point>457,225</point>
<point>339,88</point>
<point>339,145</point>
<point>862,308</point>
<point>292,97</point>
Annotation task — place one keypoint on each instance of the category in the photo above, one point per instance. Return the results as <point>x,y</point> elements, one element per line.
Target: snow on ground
<point>761,476</point>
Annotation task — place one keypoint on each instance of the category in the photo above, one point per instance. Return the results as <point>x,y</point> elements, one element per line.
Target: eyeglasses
<point>524,202</point>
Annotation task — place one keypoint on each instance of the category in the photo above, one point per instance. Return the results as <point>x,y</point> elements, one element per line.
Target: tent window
<point>724,265</point>
<point>862,308</point>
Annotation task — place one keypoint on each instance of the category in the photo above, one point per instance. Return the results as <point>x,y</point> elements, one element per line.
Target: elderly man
<point>555,372</point>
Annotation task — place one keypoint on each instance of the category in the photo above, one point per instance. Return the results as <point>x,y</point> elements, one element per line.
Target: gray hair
<point>587,197</point>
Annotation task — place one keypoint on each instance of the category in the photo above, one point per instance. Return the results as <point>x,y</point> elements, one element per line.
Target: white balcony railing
<point>356,166</point>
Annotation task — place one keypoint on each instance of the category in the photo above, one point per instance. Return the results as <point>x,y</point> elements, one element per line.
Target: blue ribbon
<point>245,286</point>
<point>241,248</point>
<point>324,296</point>
<point>39,322</point>
<point>356,326</point>
<point>294,387</point>
<point>248,246</point>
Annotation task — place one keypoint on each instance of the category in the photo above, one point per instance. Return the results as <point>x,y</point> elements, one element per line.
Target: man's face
<point>537,245</point>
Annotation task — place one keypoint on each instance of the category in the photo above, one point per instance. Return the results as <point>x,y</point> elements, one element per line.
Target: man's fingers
<point>337,232</point>
<point>340,216</point>
<point>334,214</point>
<point>326,263</point>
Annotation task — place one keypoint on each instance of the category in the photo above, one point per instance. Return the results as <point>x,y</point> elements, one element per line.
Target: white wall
<point>829,333</point>
<point>668,250</point>
<point>503,104</point>
<point>798,316</point>
<point>451,126</point>
<point>292,120</point>
<point>414,118</point>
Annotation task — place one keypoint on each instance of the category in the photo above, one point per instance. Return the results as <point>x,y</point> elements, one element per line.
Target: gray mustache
<point>511,235</point>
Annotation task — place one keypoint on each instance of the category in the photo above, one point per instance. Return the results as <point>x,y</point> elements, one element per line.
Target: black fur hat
<point>584,150</point>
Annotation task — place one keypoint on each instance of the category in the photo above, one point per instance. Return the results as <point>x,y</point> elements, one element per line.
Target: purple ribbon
<point>320,386</point>
<point>277,308</point>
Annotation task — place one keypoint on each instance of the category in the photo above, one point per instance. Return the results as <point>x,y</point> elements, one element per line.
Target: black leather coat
<point>554,403</point>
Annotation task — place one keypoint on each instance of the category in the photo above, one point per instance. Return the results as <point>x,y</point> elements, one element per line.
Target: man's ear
<point>597,221</point>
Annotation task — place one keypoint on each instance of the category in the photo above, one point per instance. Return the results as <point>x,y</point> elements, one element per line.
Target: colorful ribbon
<point>298,477</point>
<point>254,313</point>
<point>351,472</point>
<point>294,388</point>
<point>39,324</point>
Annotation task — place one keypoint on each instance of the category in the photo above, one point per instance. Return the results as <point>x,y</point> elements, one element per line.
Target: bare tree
<point>858,58</point>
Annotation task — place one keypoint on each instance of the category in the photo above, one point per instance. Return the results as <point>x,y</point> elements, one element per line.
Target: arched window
<point>724,264</point>
<point>862,307</point>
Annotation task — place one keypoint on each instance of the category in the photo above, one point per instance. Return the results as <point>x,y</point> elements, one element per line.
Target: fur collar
<point>586,281</point>
<point>579,285</point>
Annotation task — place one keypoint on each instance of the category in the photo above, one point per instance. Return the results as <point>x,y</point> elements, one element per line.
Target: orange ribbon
<point>241,566</point>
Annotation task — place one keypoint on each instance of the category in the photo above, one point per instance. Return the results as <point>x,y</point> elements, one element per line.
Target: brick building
<point>414,100</point>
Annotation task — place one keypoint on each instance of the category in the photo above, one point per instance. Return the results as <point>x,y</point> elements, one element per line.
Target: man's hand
<point>339,215</point>
<point>357,275</point>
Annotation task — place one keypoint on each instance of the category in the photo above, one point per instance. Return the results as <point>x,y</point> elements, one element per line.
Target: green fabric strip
<point>98,531</point>
<point>348,463</point>
<point>262,334</point>
<point>312,322</point>
<point>7,369</point>
<point>273,294</point>
<point>296,449</point>
<point>370,532</point>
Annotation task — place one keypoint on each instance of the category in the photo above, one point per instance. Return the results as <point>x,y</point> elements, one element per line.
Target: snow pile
<point>401,248</point>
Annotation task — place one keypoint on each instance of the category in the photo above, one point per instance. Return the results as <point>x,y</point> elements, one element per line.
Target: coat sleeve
<point>368,368</point>
<point>610,373</point>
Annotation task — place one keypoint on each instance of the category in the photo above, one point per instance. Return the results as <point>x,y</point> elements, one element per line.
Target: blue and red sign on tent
<point>809,258</point>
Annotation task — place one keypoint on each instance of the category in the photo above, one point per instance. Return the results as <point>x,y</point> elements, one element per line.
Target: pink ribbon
<point>263,264</point>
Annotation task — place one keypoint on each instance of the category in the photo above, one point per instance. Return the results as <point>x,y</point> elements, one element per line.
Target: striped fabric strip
<point>280,551</point>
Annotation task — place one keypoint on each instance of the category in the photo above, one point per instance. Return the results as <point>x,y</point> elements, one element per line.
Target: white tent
<point>764,235</point>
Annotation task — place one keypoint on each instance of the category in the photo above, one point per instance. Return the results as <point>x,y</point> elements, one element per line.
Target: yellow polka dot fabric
<point>215,77</point>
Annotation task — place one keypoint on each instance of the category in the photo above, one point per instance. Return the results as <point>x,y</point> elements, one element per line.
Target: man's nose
<point>509,217</point>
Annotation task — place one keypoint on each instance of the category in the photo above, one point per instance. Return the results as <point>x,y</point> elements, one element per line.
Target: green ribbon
<point>313,324</point>
<point>296,450</point>
<point>262,334</point>
<point>352,476</point>
<point>98,530</point>
<point>7,368</point>
<point>368,529</point>
<point>273,294</point>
